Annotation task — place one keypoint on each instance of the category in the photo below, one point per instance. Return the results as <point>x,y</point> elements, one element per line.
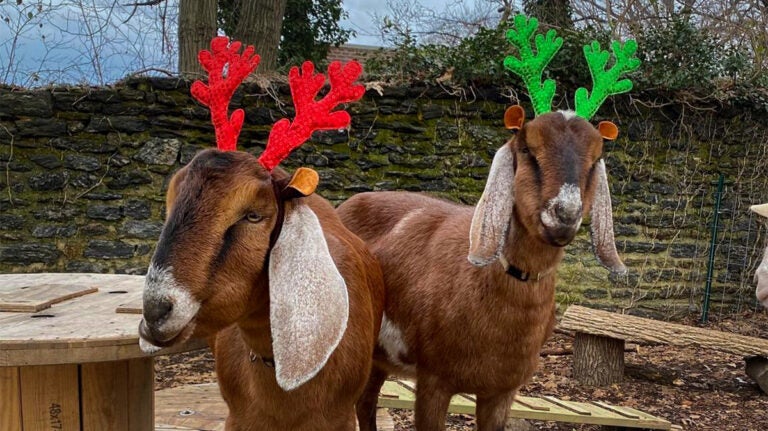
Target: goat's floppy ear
<point>761,210</point>
<point>308,303</point>
<point>514,117</point>
<point>602,224</point>
<point>493,213</point>
<point>608,130</point>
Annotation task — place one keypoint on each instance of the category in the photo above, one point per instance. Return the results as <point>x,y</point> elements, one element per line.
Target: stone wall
<point>84,172</point>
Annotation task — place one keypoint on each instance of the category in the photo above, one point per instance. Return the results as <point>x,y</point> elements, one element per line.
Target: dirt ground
<point>695,388</point>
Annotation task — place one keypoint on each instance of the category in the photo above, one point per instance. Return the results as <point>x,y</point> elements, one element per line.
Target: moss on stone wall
<point>84,172</point>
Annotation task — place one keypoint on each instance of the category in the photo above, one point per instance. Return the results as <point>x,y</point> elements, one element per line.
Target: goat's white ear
<point>761,210</point>
<point>308,302</point>
<point>493,213</point>
<point>602,224</point>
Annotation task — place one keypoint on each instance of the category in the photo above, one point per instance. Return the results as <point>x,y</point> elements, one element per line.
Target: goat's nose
<point>155,312</point>
<point>567,213</point>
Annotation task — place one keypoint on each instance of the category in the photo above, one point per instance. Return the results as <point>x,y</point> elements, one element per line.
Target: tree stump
<point>597,360</point>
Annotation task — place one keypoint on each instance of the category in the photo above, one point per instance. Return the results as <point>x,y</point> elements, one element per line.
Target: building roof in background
<point>349,51</point>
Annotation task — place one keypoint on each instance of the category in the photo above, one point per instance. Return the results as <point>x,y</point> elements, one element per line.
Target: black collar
<point>519,274</point>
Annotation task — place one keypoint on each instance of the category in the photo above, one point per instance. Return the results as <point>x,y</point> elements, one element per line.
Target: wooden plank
<point>384,421</point>
<point>204,408</point>
<point>530,403</point>
<point>133,307</point>
<point>75,352</point>
<point>598,417</point>
<point>200,407</point>
<point>196,406</point>
<point>141,394</point>
<point>574,407</point>
<point>617,410</point>
<point>644,331</point>
<point>174,428</point>
<point>401,394</point>
<point>38,297</point>
<point>87,319</point>
<point>50,398</point>
<point>104,396</point>
<point>397,396</point>
<point>461,405</point>
<point>10,393</point>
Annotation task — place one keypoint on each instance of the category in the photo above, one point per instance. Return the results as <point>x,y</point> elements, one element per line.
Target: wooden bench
<point>598,347</point>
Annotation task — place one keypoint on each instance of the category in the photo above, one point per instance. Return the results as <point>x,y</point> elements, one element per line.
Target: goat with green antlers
<point>470,291</point>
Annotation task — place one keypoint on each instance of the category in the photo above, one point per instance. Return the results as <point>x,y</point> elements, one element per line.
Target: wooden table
<point>69,354</point>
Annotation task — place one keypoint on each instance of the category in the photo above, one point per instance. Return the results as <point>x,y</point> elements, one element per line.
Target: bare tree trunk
<point>259,24</point>
<point>197,26</point>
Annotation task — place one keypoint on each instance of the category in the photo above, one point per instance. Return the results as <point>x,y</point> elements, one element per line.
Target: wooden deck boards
<point>200,407</point>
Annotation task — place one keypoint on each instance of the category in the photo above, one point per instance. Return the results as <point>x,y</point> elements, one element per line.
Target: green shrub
<point>676,56</point>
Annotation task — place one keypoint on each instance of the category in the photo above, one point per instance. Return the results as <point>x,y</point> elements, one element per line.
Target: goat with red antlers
<point>288,298</point>
<point>470,292</point>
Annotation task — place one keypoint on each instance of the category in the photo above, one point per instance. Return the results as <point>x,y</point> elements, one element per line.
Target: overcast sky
<point>96,44</point>
<point>361,13</point>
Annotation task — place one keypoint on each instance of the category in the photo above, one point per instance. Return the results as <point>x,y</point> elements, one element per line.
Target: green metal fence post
<point>712,245</point>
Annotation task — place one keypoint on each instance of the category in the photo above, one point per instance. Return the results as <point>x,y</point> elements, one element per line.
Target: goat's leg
<point>366,405</point>
<point>492,411</point>
<point>432,399</point>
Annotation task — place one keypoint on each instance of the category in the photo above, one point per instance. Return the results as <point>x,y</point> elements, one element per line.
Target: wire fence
<point>668,194</point>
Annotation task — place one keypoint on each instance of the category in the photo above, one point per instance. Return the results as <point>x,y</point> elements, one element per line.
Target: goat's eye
<point>254,217</point>
<point>524,150</point>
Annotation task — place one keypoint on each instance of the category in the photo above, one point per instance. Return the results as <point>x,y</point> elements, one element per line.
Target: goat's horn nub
<point>311,114</point>
<point>217,94</point>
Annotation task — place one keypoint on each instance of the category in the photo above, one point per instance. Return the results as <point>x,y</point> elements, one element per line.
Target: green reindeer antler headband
<point>530,67</point>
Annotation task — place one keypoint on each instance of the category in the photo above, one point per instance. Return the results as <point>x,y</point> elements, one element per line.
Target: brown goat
<point>462,325</point>
<point>761,273</point>
<point>292,321</point>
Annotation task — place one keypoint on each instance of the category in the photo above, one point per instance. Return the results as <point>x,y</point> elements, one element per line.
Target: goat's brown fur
<point>220,259</point>
<point>466,328</point>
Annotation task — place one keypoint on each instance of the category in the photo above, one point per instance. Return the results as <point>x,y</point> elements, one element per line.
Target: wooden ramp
<point>200,407</point>
<point>401,394</point>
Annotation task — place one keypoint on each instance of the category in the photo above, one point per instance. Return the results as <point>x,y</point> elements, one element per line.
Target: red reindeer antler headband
<point>285,136</point>
<point>217,94</point>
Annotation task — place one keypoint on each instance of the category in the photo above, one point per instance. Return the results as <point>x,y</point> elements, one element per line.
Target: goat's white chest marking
<point>392,341</point>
